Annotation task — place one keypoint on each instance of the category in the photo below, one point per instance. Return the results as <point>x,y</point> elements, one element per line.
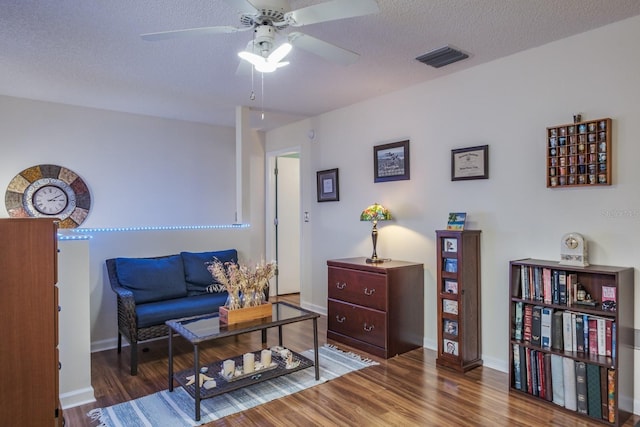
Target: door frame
<point>270,206</point>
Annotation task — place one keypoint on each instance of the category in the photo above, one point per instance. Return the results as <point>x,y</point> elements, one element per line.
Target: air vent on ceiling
<point>441,57</point>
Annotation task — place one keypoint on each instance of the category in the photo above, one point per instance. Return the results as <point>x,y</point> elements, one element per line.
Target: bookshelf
<point>568,346</point>
<point>458,299</point>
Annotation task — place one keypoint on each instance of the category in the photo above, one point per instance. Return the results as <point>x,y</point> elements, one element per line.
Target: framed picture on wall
<point>327,182</point>
<point>470,163</point>
<point>391,162</point>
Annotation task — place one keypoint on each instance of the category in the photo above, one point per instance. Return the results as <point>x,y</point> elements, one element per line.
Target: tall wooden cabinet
<point>29,319</point>
<point>377,308</point>
<point>459,332</point>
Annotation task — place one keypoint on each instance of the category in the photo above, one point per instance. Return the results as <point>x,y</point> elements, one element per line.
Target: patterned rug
<point>176,409</point>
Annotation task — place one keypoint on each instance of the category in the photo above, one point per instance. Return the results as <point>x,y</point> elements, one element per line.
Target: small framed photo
<point>327,182</point>
<point>450,327</point>
<point>451,265</point>
<point>450,245</point>
<point>456,221</point>
<point>609,300</point>
<point>450,306</point>
<point>451,347</point>
<point>391,162</point>
<point>470,163</point>
<point>451,286</point>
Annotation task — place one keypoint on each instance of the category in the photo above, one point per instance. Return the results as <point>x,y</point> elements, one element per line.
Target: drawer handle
<point>369,292</point>
<point>340,319</point>
<point>368,328</point>
<point>341,285</point>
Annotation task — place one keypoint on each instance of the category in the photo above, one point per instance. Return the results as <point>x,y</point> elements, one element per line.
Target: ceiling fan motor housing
<point>264,37</point>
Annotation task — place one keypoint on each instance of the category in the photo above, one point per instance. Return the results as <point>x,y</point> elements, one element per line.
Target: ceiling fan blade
<point>164,35</point>
<point>330,11</point>
<point>279,54</point>
<point>323,49</point>
<point>242,6</point>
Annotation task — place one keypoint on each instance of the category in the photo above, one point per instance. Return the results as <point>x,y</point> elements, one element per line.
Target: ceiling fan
<point>267,17</point>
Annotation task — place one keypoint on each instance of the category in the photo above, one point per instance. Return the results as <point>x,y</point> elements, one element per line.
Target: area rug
<point>176,409</point>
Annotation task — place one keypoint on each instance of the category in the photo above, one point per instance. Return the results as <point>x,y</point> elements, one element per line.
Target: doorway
<point>284,220</point>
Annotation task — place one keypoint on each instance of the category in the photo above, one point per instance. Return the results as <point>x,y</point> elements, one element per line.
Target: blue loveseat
<point>151,291</point>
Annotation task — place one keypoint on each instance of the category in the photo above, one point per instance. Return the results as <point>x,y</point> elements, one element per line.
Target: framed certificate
<point>470,163</point>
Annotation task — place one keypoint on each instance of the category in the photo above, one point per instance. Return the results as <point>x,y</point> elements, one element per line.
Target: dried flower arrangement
<point>244,285</point>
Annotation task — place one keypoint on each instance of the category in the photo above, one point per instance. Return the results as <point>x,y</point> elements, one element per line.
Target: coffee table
<point>199,329</point>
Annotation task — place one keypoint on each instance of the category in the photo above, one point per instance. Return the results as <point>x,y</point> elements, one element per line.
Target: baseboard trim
<point>79,397</point>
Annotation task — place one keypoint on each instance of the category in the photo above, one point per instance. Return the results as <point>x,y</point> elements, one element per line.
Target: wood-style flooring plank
<point>406,390</point>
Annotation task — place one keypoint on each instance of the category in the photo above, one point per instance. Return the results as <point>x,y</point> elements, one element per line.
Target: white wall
<point>141,172</point>
<point>506,104</point>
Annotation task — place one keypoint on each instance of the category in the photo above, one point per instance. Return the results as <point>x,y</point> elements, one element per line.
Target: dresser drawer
<point>358,322</point>
<point>358,287</point>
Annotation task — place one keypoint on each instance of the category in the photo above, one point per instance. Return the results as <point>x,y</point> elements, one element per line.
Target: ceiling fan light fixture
<point>271,62</point>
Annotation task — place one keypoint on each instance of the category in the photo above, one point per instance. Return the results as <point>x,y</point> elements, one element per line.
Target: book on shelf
<point>517,376</point>
<point>581,387</point>
<point>542,386</point>
<point>604,403</point>
<point>534,371</point>
<point>602,338</point>
<point>518,320</point>
<point>527,365</point>
<point>567,332</point>
<point>594,403</point>
<point>556,331</point>
<point>611,394</point>
<point>613,340</point>
<point>574,337</point>
<point>546,282</point>
<point>528,314</point>
<point>548,393</point>
<point>608,336</point>
<point>593,336</point>
<point>572,288</point>
<point>562,287</point>
<point>569,383</point>
<point>536,325</point>
<point>523,368</point>
<point>557,382</point>
<point>579,333</point>
<point>545,327</point>
<point>585,332</point>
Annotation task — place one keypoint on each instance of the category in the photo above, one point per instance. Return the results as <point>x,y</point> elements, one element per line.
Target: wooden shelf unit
<point>615,368</point>
<point>459,331</point>
<point>579,154</point>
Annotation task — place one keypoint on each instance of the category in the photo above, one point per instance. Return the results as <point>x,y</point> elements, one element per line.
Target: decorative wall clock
<point>49,191</point>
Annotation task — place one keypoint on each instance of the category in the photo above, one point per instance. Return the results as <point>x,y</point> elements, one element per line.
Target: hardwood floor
<point>405,390</point>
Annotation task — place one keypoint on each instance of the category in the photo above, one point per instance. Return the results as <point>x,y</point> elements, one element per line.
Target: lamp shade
<point>375,212</point>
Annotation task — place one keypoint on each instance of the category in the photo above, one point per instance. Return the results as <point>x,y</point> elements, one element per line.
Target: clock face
<point>50,200</point>
<point>571,242</point>
<point>49,191</point>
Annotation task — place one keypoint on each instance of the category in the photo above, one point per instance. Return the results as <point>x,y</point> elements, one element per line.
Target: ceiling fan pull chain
<point>262,97</point>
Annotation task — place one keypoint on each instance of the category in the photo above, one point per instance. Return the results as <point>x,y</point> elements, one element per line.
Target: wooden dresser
<point>377,308</point>
<point>29,318</point>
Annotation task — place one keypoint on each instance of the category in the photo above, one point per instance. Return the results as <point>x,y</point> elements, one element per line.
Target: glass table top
<point>208,326</point>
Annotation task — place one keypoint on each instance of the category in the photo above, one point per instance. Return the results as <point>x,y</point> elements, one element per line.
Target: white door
<point>287,224</point>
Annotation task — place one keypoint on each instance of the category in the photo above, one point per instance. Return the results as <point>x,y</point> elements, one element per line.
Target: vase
<point>233,301</point>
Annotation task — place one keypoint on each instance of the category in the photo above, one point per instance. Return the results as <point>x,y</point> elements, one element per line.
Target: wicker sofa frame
<point>127,323</point>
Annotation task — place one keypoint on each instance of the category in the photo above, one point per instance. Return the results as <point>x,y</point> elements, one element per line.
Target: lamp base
<point>375,260</point>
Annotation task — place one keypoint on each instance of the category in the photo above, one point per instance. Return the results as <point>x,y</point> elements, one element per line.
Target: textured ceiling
<point>89,53</point>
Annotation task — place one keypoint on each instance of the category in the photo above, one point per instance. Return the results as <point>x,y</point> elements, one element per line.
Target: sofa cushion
<point>156,313</point>
<point>152,279</point>
<point>197,276</point>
